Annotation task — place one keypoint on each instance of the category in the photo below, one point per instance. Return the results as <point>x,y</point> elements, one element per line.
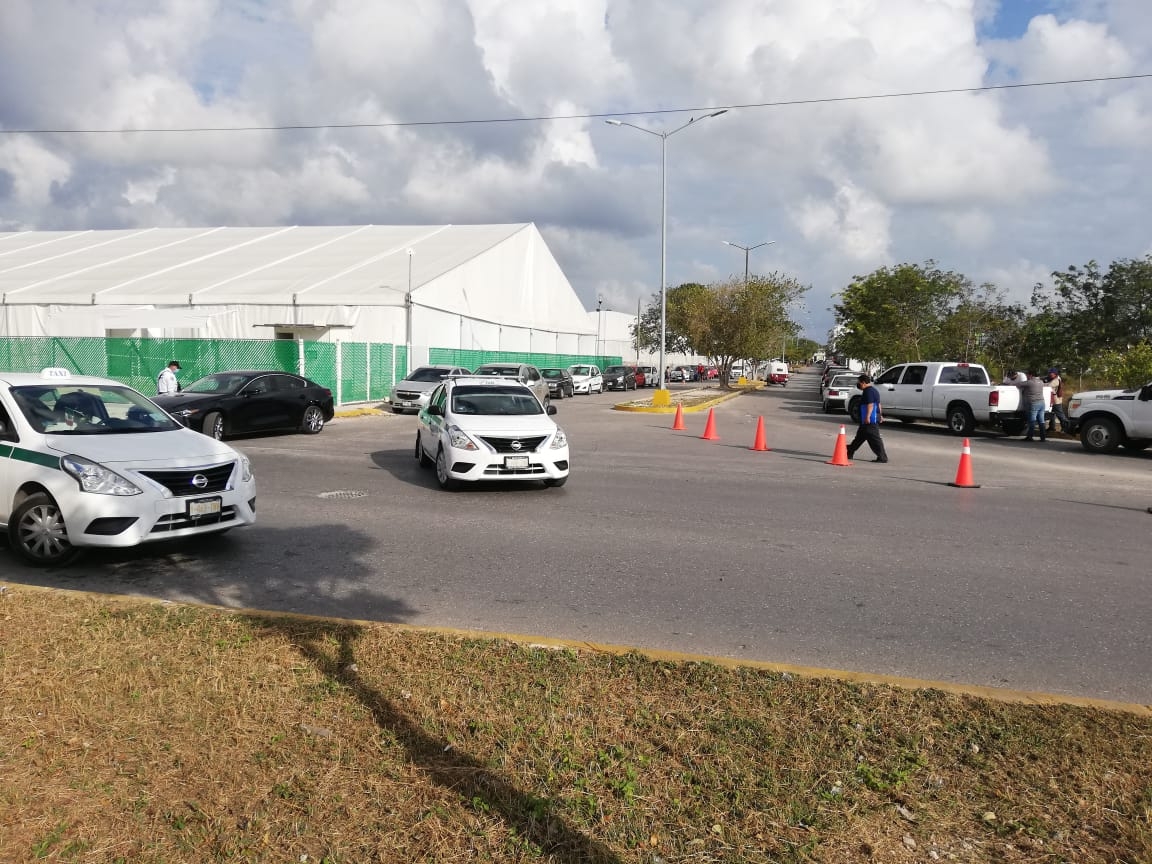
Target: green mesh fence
<point>353,371</point>
<point>471,358</point>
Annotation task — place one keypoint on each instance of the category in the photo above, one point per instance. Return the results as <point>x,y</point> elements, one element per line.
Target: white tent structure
<point>487,287</point>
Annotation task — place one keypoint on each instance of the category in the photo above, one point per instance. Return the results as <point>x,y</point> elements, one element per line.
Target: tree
<point>1130,368</point>
<point>646,335</point>
<point>735,319</point>
<point>897,313</point>
<point>983,328</point>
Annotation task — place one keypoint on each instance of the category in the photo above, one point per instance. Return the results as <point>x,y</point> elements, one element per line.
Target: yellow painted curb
<point>994,694</point>
<point>360,412</point>
<point>671,409</point>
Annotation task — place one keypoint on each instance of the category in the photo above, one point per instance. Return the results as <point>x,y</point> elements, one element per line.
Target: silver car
<point>525,373</point>
<point>412,393</point>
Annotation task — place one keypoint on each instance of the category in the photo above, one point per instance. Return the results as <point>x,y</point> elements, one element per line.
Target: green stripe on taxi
<point>36,458</point>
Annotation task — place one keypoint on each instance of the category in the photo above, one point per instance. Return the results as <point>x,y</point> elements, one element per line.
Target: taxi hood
<point>176,448</point>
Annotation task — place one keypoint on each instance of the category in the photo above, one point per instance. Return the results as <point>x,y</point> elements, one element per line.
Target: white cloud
<point>1007,183</point>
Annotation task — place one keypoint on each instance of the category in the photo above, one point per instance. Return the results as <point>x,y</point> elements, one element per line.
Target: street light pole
<point>661,396</point>
<point>747,249</point>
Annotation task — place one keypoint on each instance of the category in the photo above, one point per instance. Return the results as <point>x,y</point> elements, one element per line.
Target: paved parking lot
<point>1036,581</point>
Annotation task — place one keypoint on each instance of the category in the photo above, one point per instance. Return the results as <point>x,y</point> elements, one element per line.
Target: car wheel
<point>420,455</point>
<point>313,420</point>
<point>960,419</point>
<point>37,532</point>
<point>555,482</point>
<point>446,481</point>
<point>854,407</point>
<point>1100,435</point>
<point>547,402</point>
<point>214,425</point>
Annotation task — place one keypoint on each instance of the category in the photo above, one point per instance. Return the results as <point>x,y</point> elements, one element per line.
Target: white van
<point>777,373</point>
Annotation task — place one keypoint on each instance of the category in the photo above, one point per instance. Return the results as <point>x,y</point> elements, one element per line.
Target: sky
<point>1004,186</point>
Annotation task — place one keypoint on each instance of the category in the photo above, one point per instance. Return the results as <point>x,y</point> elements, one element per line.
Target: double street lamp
<point>664,136</point>
<point>747,249</point>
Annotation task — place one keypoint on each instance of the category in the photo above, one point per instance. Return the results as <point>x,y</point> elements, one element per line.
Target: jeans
<point>1058,414</point>
<point>1036,419</point>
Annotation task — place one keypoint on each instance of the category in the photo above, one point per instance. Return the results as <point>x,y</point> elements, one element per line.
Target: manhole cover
<point>343,493</point>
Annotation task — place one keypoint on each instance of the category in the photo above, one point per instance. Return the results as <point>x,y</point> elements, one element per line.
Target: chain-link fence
<point>353,371</point>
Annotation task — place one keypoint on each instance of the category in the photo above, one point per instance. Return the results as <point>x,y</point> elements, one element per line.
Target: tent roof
<point>330,265</point>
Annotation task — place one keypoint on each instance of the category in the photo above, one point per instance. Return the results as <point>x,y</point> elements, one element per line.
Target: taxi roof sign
<point>55,372</point>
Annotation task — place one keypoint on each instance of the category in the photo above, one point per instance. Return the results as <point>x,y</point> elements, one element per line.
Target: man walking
<point>1032,401</point>
<point>166,384</point>
<point>870,420</point>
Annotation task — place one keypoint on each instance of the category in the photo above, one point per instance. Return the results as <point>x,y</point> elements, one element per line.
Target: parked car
<point>688,373</point>
<point>676,373</point>
<point>560,382</point>
<point>839,390</point>
<point>525,373</point>
<point>92,462</point>
<point>411,393</point>
<point>619,378</point>
<point>641,378</point>
<point>490,428</point>
<point>958,394</point>
<point>235,403</point>
<point>651,379</point>
<point>586,379</point>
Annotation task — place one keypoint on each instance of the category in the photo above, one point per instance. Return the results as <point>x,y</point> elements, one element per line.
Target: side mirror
<point>436,410</point>
<point>551,409</point>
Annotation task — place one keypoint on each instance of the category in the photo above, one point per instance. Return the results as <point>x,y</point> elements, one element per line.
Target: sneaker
<point>885,459</point>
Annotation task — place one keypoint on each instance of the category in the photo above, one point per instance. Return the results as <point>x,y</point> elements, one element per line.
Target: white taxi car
<point>480,429</point>
<point>90,462</point>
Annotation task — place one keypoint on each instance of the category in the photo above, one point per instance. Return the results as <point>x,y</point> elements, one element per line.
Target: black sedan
<point>560,382</point>
<point>234,403</point>
<point>620,378</point>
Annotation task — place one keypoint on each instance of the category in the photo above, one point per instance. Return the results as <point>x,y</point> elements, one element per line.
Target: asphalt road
<point>1036,581</point>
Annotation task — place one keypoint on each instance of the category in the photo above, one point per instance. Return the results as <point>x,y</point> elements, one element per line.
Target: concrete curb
<point>364,411</point>
<point>687,409</point>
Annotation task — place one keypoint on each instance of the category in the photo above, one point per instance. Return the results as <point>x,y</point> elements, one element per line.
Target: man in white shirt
<point>166,384</point>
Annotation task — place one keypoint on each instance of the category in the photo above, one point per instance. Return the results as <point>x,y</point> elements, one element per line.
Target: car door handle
<point>919,389</point>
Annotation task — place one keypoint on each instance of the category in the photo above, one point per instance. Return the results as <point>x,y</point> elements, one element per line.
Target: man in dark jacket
<point>1032,401</point>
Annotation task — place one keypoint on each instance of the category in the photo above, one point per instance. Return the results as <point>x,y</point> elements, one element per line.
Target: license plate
<point>408,404</point>
<point>203,507</point>
<point>515,461</point>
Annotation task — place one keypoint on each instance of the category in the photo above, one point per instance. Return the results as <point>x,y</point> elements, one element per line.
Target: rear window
<point>499,370</point>
<point>963,375</point>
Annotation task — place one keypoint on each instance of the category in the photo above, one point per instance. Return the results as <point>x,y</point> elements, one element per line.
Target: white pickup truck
<point>960,395</point>
<point>1107,419</point>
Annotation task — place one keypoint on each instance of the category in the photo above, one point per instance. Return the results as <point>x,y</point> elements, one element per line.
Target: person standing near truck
<point>1032,401</point>
<point>869,419</point>
<point>1057,385</point>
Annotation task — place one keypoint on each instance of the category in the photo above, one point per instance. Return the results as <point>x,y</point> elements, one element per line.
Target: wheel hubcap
<point>441,467</point>
<point>313,419</point>
<point>42,532</point>
<point>218,428</point>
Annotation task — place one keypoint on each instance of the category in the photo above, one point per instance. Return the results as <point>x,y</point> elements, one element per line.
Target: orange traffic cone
<point>761,442</point>
<point>964,478</point>
<point>840,454</point>
<point>710,428</point>
<point>678,421</point>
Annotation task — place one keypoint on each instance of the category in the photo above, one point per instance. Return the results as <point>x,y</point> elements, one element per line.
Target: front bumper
<point>114,521</point>
<point>473,466</point>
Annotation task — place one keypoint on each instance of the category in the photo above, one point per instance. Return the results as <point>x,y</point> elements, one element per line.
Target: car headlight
<point>186,412</point>
<point>559,439</point>
<point>245,469</point>
<point>94,477</point>
<point>459,440</point>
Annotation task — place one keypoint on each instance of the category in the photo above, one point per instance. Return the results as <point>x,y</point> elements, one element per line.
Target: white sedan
<point>90,462</point>
<point>485,429</point>
<point>586,379</point>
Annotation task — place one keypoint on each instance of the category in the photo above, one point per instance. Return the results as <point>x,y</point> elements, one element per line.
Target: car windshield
<point>428,373</point>
<point>616,370</point>
<point>221,382</point>
<point>90,409</point>
<point>503,371</point>
<point>581,370</point>
<point>552,373</point>
<point>494,401</point>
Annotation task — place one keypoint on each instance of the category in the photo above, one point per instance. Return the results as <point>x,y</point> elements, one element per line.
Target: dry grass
<point>142,732</point>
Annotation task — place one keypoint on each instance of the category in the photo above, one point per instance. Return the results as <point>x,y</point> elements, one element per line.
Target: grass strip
<point>133,731</point>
